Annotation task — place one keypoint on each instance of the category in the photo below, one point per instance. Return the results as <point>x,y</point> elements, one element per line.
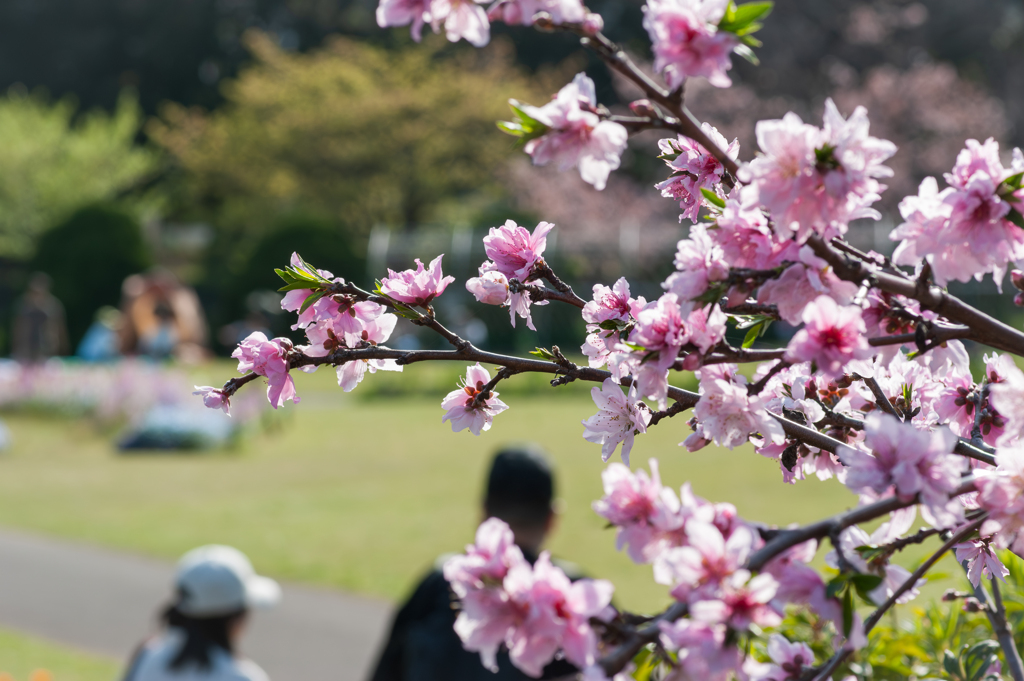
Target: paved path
<point>105,601</point>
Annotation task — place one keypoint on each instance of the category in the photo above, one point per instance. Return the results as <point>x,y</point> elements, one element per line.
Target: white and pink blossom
<point>694,168</point>
<point>981,560</point>
<point>214,398</point>
<point>268,358</point>
<point>465,410</point>
<point>700,262</point>
<point>490,288</point>
<point>620,416</point>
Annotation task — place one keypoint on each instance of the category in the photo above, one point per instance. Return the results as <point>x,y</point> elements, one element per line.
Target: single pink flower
<point>268,358</point>
<point>742,600</point>
<point>608,303</point>
<point>728,414</point>
<point>686,40</point>
<point>707,560</point>
<point>577,136</point>
<point>462,408</point>
<point>618,419</point>
<point>789,661</point>
<point>1001,493</point>
<point>403,13</point>
<point>981,560</point>
<point>213,398</point>
<point>417,287</point>
<point>832,337</point>
<point>487,561</point>
<point>490,288</point>
<point>513,250</point>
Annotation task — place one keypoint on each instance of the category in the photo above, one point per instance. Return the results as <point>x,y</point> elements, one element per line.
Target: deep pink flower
<point>461,406</point>
<point>916,462</point>
<point>417,287</point>
<point>513,250</point>
<point>832,337</point>
<point>647,515</point>
<point>982,561</point>
<point>699,263</point>
<point>490,288</point>
<point>707,327</point>
<point>487,561</point>
<point>213,398</point>
<point>577,136</point>
<point>608,303</point>
<point>268,358</point>
<point>694,168</point>
<point>661,329</point>
<point>619,417</point>
<point>686,40</point>
<point>818,180</point>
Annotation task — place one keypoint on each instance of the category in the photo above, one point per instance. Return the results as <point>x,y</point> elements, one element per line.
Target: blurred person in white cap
<point>216,587</point>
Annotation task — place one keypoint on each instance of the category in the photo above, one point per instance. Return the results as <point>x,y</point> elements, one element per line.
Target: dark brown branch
<point>751,308</point>
<point>881,399</point>
<point>984,328</point>
<point>539,293</point>
<point>657,416</point>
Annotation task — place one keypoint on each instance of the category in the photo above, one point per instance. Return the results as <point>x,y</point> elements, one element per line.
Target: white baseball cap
<point>217,580</point>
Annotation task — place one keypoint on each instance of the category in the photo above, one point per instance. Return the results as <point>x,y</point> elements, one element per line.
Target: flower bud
<point>491,288</point>
<point>643,107</point>
<point>972,605</point>
<point>593,24</point>
<point>692,361</point>
<point>542,21</point>
<point>1017,279</point>
<point>1018,299</point>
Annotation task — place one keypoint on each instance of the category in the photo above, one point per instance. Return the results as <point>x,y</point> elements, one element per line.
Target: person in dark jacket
<point>423,645</point>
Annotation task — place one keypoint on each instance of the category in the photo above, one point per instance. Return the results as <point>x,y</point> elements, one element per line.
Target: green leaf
<point>748,13</point>
<point>752,334</point>
<point>747,53</point>
<point>869,553</point>
<point>751,41</point>
<point>1013,181</point>
<point>310,299</point>
<point>712,197</point>
<point>865,584</point>
<point>543,353</point>
<point>836,586</point>
<point>611,325</point>
<point>952,665</point>
<point>525,128</point>
<point>848,612</point>
<point>1015,217</point>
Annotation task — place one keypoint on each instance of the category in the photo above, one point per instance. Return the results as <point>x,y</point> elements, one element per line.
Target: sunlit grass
<point>28,658</point>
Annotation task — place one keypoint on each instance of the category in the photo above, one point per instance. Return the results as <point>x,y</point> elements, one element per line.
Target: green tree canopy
<point>54,161</point>
<point>354,132</point>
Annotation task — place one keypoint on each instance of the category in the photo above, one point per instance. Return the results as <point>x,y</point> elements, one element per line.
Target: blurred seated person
<point>216,587</point>
<point>163,317</point>
<point>40,331</point>
<point>102,342</point>
<point>422,644</point>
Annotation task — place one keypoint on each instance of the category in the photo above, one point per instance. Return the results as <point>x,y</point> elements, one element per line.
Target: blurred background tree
<point>55,160</point>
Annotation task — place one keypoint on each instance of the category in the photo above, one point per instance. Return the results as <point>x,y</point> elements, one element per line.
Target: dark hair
<point>202,636</point>
<point>520,486</point>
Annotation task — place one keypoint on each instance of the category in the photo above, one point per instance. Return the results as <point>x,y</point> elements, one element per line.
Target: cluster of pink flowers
<point>816,180</point>
<point>965,230</point>
<point>686,40</point>
<point>534,610</point>
<point>267,358</point>
<point>577,136</point>
<point>513,253</point>
<point>693,168</point>
<point>727,414</point>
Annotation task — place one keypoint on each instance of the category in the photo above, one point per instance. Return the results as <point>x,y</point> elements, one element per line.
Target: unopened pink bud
<point>643,107</point>
<point>1018,299</point>
<point>1017,278</point>
<point>692,362</point>
<point>593,24</point>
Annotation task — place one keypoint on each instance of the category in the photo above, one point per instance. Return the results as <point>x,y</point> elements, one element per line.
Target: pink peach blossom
<point>417,287</point>
<point>981,560</point>
<point>214,398</point>
<point>513,250</point>
<point>461,406</point>
<point>268,358</point>
<point>832,337</point>
<point>699,262</point>
<point>490,288</point>
<point>686,40</point>
<point>694,168</point>
<point>618,419</point>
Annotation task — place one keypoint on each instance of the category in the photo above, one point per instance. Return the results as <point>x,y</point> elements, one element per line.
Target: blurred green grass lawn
<point>364,494</point>
<point>21,655</point>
